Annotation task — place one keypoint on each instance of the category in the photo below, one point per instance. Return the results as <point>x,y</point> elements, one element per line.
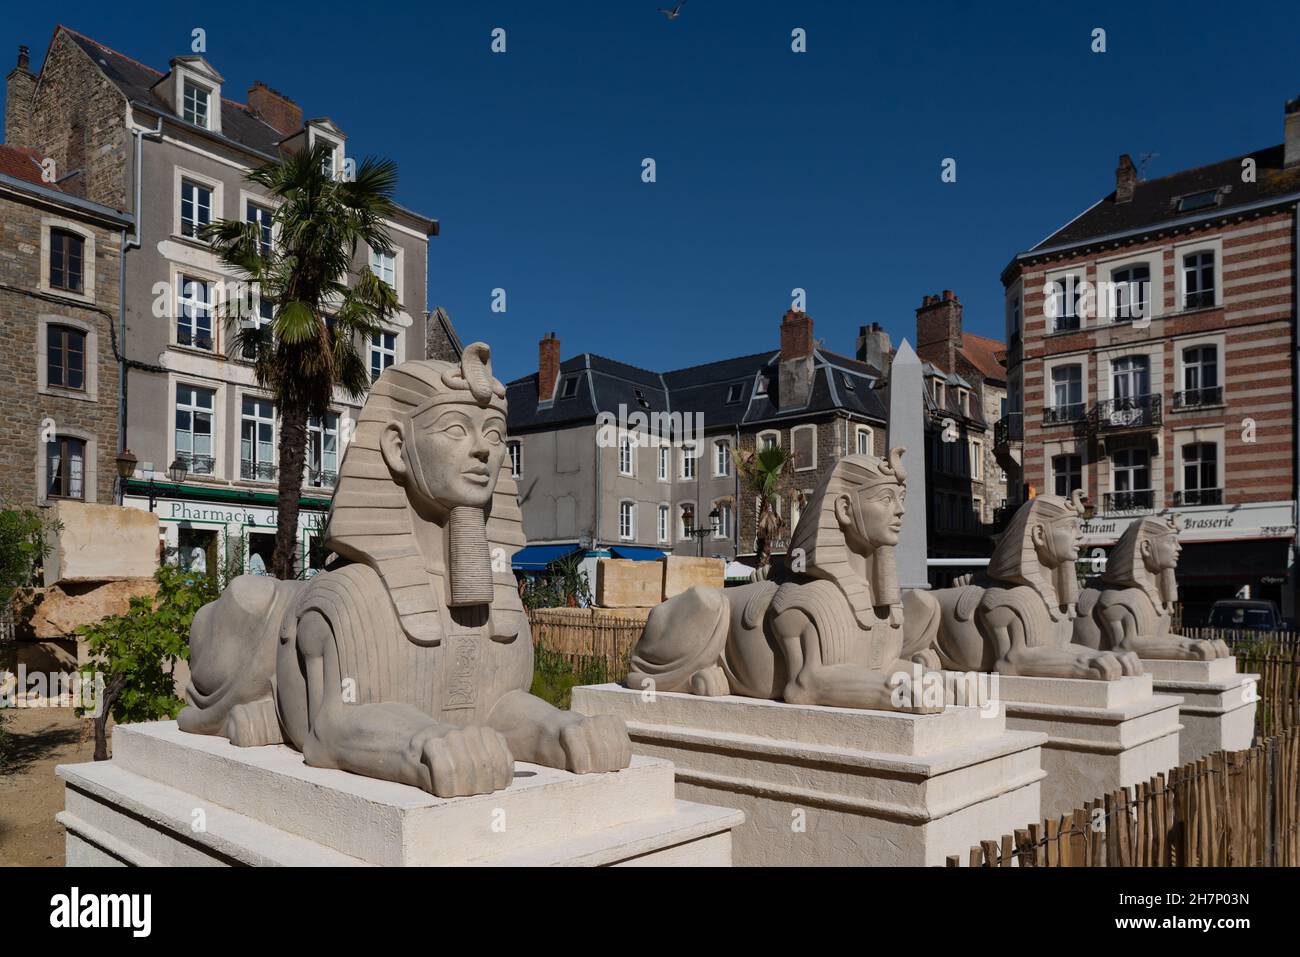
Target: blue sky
<point>774,169</point>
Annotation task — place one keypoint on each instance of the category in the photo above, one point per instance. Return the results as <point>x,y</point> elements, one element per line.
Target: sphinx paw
<point>596,743</point>
<point>710,682</point>
<point>1102,666</point>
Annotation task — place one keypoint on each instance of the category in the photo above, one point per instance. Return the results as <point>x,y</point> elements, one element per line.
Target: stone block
<point>623,583</point>
<point>682,572</point>
<point>101,543</point>
<point>1218,709</point>
<point>59,610</point>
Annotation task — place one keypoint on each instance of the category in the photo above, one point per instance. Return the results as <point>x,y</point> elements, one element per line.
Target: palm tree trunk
<point>293,455</point>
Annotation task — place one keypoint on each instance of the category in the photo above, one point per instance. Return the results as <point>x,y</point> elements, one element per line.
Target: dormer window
<point>734,392</point>
<point>760,386</point>
<point>570,388</point>
<point>195,105</point>
<point>1202,200</point>
<point>848,383</point>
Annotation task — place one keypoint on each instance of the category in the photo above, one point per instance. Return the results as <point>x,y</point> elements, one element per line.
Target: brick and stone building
<point>1151,363</point>
<point>173,149</point>
<point>587,481</point>
<point>60,259</point>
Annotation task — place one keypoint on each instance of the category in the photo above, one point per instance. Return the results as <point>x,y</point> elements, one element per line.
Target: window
<point>194,314</point>
<point>769,440</point>
<point>196,207</point>
<point>1200,474</point>
<point>323,450</point>
<point>626,457</point>
<point>67,252</point>
<point>383,353</point>
<point>257,439</point>
<point>1132,479</point>
<point>976,459</point>
<point>570,388</point>
<point>1198,280</point>
<point>965,401</point>
<point>264,219</point>
<point>687,518</point>
<point>1067,296</point>
<point>1015,315</point>
<point>664,455</point>
<point>761,384</point>
<point>721,459</point>
<point>194,428</point>
<point>194,107</point>
<point>1200,377</point>
<point>383,264</point>
<point>65,467</point>
<point>662,529</point>
<point>938,393</point>
<point>1130,377</point>
<point>724,520</point>
<point>849,384</point>
<point>865,444</point>
<point>688,460</point>
<point>1067,474</point>
<point>1202,200</point>
<point>65,349</point>
<point>796,509</point>
<point>1130,287</point>
<point>1067,394</point>
<point>260,318</point>
<point>626,520</point>
<point>803,441</point>
<point>516,459</point>
<point>734,392</point>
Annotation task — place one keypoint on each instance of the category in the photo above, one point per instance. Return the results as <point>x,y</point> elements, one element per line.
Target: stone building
<point>171,148</point>
<point>966,392</point>
<point>59,307</point>
<point>594,471</point>
<point>1151,363</point>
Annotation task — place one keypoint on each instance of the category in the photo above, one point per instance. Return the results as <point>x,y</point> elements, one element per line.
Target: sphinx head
<point>447,450</point>
<point>1158,545</point>
<point>1056,529</point>
<point>869,505</point>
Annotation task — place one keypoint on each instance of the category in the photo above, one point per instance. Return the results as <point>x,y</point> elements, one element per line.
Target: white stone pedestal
<point>1101,735</point>
<point>838,786</point>
<point>1218,709</point>
<point>171,798</point>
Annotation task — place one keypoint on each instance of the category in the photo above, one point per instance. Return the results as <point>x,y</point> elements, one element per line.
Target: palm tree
<point>761,473</point>
<point>309,348</point>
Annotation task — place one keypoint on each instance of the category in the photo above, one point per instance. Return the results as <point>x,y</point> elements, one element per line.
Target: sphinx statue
<point>829,629</point>
<point>1017,618</point>
<point>1130,606</point>
<point>410,658</point>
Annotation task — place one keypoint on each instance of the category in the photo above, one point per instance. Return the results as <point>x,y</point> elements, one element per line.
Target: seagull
<point>675,12</point>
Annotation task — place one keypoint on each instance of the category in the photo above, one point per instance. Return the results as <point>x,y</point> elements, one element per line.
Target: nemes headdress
<point>1015,559</point>
<point>370,519</point>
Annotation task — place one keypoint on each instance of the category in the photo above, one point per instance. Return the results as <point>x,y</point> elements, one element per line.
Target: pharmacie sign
<point>249,516</point>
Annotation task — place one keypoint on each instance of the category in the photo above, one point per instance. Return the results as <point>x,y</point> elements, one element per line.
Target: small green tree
<point>135,652</point>
<point>22,549</point>
<point>760,473</point>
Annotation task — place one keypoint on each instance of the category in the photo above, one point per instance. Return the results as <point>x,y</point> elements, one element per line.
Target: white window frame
<point>398,257</point>
<point>1219,343</point>
<point>1214,245</point>
<point>626,455</point>
<point>216,209</point>
<point>515,449</point>
<point>858,433</point>
<point>373,349</point>
<point>258,419</point>
<point>726,518</point>
<point>1062,276</point>
<point>626,529</point>
<point>263,207</point>
<point>681,520</point>
<point>335,144</point>
<point>211,82</point>
<point>663,526</point>
<point>216,435</point>
<point>793,432</point>
<point>690,464</point>
<point>758,440</point>
<point>665,467</point>
<point>321,427</point>
<point>1197,434</point>
<point>205,121</point>
<point>976,451</point>
<point>183,298</point>
<point>721,458</point>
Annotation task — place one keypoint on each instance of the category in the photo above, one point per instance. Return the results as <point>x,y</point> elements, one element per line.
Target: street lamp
<point>176,472</point>
<point>700,534</point>
<point>125,469</point>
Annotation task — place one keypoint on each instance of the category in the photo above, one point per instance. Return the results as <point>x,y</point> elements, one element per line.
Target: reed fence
<point>1275,657</point>
<point>587,636</point>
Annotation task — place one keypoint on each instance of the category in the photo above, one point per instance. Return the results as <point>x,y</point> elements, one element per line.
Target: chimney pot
<point>548,366</point>
<point>24,56</point>
<point>1291,129</point>
<point>1125,179</point>
<point>282,113</point>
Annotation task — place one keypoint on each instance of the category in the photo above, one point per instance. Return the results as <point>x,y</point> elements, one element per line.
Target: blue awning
<point>536,558</point>
<point>636,553</point>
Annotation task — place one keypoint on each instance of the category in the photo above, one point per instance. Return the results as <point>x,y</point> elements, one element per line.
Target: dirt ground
<point>30,793</point>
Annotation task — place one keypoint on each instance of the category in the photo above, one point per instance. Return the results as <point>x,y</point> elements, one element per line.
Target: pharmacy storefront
<point>208,528</point>
<point>1246,549</point>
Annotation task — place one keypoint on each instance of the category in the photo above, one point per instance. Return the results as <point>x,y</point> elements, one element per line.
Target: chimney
<point>795,384</point>
<point>1126,179</point>
<point>938,330</point>
<point>1291,149</point>
<point>548,366</point>
<point>874,346</point>
<point>20,89</point>
<point>284,115</point>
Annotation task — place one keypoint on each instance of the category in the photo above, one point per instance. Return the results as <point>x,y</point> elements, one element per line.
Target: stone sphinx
<point>410,658</point>
<point>1130,606</point>
<point>832,629</point>
<point>1018,617</point>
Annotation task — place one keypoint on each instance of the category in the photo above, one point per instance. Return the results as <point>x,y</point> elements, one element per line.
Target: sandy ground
<point>30,793</point>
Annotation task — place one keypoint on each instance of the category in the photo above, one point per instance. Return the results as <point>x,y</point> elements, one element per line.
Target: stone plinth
<point>625,583</point>
<point>837,786</point>
<point>1218,709</point>
<point>1101,735</point>
<point>171,798</point>
<point>686,571</point>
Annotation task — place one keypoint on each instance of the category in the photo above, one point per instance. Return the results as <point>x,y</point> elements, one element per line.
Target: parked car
<point>1243,613</point>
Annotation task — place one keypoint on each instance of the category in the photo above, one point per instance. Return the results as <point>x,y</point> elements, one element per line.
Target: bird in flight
<point>674,12</point>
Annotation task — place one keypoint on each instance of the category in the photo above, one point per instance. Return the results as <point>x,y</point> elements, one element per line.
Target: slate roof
<point>604,385</point>
<point>1155,201</point>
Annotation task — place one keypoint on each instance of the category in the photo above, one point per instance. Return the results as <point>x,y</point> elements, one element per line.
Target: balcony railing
<point>1195,398</point>
<point>197,464</point>
<point>1061,414</point>
<point>1199,496</point>
<point>1116,503</point>
<point>1134,412</point>
<point>319,478</point>
<point>1008,430</point>
<point>257,471</point>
